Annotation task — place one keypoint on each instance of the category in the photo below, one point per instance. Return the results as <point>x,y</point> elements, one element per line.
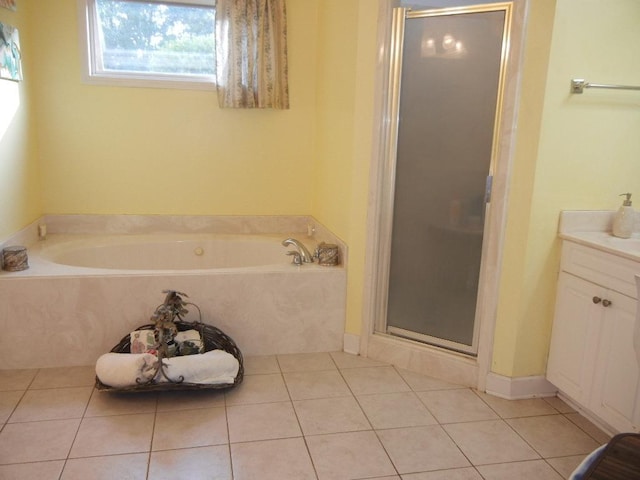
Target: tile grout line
<point>375,431</point>
<point>24,392</point>
<point>566,415</point>
<point>153,431</point>
<point>569,416</point>
<point>84,412</point>
<point>295,412</point>
<point>542,457</point>
<point>504,420</point>
<point>440,424</point>
<point>226,417</point>
<point>15,407</point>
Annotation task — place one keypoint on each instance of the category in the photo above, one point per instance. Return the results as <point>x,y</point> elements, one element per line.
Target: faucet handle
<point>297,258</point>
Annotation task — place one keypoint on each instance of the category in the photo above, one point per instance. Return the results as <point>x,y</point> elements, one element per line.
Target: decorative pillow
<point>143,341</point>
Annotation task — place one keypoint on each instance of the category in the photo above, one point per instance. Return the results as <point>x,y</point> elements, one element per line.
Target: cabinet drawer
<point>601,268</point>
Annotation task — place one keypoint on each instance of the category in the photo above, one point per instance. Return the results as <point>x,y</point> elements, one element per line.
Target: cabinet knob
<point>596,299</point>
<point>606,303</point>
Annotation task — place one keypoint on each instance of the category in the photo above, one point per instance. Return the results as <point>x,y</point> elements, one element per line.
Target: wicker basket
<point>213,339</point>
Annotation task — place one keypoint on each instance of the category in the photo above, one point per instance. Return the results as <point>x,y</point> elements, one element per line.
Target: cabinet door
<point>574,339</point>
<point>616,376</point>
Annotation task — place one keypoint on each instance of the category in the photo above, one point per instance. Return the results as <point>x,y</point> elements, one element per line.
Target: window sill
<point>118,81</point>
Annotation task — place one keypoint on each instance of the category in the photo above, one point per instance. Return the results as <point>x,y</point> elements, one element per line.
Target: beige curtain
<point>251,54</point>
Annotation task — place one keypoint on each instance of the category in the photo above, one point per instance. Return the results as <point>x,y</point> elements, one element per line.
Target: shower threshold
<point>432,341</point>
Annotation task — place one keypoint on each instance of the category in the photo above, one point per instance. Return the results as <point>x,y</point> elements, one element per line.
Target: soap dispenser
<point>624,220</point>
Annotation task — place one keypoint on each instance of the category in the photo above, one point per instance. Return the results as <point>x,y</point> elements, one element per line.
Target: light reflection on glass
<point>447,47</point>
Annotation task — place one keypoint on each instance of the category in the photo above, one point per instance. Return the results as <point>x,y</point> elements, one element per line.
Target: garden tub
<point>83,292</point>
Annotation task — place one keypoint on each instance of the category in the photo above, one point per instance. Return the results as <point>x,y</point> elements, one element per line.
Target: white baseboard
<point>352,343</point>
<point>515,388</point>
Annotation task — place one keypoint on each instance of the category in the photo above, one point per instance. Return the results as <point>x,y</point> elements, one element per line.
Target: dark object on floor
<point>620,459</point>
<point>167,323</point>
<point>213,338</point>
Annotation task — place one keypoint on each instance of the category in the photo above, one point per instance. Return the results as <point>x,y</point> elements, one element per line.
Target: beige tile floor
<point>313,416</point>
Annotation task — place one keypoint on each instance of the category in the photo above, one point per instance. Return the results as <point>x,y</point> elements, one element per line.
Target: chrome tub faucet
<point>302,253</point>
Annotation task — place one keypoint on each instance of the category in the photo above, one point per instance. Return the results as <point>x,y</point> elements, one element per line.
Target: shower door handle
<point>488,186</point>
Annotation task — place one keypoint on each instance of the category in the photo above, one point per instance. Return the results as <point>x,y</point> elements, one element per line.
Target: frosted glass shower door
<point>451,67</point>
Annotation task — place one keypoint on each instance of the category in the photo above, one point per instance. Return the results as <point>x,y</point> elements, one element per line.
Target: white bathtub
<point>165,252</point>
<point>84,292</point>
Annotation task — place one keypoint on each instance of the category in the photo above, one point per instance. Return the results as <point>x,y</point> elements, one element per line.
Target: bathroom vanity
<point>592,360</point>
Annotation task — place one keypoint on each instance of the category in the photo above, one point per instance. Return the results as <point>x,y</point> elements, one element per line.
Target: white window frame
<point>93,74</point>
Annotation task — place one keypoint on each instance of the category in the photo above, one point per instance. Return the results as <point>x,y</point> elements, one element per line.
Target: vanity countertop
<point>605,241</point>
<point>593,229</point>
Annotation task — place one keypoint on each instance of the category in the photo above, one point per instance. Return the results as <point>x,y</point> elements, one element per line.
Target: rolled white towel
<point>189,342</point>
<point>215,367</point>
<point>122,369</point>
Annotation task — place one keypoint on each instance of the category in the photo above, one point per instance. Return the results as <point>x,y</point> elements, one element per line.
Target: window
<point>150,43</point>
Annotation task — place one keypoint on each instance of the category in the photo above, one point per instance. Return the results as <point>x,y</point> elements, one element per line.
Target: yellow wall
<point>346,75</point>
<point>132,150</point>
<point>107,150</point>
<point>337,50</point>
<point>161,151</point>
<point>587,153</point>
<point>363,145</point>
<point>19,185</point>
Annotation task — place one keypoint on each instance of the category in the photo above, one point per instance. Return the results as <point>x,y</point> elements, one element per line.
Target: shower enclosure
<point>445,90</point>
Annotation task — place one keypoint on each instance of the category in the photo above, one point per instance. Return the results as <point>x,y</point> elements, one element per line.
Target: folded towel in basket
<point>122,369</point>
<point>214,367</point>
<point>189,342</point>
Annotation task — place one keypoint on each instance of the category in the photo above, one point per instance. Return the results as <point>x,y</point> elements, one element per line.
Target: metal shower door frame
<point>390,148</point>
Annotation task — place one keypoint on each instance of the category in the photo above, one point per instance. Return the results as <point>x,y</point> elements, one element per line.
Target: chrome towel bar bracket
<point>579,84</point>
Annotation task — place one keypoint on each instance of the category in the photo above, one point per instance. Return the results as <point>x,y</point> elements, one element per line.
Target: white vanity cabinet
<point>592,359</point>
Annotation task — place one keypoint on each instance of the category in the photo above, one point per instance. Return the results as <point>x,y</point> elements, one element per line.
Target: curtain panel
<point>251,54</point>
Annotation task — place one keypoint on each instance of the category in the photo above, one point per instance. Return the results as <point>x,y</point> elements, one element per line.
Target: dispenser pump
<point>624,219</point>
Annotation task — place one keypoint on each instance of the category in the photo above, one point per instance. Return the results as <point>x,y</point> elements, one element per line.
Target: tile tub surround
<point>54,315</point>
<point>286,421</point>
